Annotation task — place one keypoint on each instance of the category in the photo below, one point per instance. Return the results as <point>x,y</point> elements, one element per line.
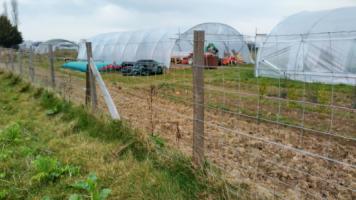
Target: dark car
<point>147,67</point>
<point>126,67</point>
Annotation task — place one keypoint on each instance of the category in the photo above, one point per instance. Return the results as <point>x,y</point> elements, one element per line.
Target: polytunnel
<point>161,44</point>
<point>312,47</point>
<point>57,44</point>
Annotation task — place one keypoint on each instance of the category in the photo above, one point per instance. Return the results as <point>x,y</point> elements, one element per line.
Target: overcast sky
<point>78,19</point>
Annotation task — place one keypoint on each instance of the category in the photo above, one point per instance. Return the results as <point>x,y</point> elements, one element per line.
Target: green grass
<point>48,145</point>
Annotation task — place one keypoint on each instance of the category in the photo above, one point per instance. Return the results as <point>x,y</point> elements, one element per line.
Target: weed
<point>313,93</point>
<point>11,135</point>
<point>25,88</point>
<point>49,170</point>
<point>38,92</point>
<point>3,194</point>
<point>14,80</point>
<point>158,141</point>
<point>5,154</point>
<point>90,185</point>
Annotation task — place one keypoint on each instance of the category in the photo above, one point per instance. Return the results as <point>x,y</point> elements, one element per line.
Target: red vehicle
<point>110,68</point>
<point>230,60</point>
<point>187,60</point>
<point>115,67</point>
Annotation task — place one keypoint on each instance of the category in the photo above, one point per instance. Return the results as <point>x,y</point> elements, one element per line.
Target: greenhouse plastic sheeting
<point>57,44</point>
<point>161,44</point>
<point>225,38</point>
<point>312,47</point>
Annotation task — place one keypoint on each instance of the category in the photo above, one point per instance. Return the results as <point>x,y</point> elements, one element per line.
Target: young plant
<point>90,186</point>
<point>49,170</point>
<point>11,135</point>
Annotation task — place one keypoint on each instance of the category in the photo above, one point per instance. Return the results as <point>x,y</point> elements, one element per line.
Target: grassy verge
<point>51,149</point>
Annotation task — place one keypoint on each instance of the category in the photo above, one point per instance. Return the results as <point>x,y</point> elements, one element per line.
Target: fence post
<point>31,68</point>
<point>91,96</point>
<point>198,98</point>
<point>107,97</point>
<point>12,60</point>
<point>51,61</point>
<point>8,59</point>
<point>354,97</point>
<point>20,62</point>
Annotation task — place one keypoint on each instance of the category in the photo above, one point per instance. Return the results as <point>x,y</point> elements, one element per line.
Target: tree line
<point>10,36</point>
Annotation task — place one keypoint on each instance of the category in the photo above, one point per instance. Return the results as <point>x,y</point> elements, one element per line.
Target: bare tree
<point>5,8</point>
<point>15,12</point>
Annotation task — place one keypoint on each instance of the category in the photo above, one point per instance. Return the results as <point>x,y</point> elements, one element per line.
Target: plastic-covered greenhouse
<point>163,44</point>
<point>58,44</point>
<point>312,47</point>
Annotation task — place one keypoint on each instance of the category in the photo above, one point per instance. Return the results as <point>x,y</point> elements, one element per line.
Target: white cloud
<point>76,19</point>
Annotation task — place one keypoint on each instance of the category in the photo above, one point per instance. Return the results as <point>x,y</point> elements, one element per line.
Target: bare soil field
<point>274,161</point>
<point>234,144</point>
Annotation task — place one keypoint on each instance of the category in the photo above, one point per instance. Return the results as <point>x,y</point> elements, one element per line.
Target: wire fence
<point>276,137</point>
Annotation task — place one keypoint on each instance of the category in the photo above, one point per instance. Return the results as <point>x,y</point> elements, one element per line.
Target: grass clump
<point>49,169</point>
<point>11,135</point>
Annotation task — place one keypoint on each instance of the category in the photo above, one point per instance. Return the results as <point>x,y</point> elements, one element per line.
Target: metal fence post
<point>198,98</point>
<point>90,96</point>
<point>51,61</point>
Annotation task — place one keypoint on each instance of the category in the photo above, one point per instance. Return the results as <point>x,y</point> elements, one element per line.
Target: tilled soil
<point>273,161</point>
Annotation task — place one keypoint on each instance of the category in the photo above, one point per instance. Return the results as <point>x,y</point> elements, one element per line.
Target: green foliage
<point>9,34</point>
<point>313,93</point>
<point>90,185</point>
<point>5,154</point>
<point>3,194</point>
<point>49,170</point>
<point>263,89</point>
<point>11,135</point>
<point>46,198</point>
<point>75,197</point>
<point>158,141</point>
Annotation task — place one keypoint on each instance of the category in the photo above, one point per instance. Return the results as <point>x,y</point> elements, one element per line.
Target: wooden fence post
<point>31,68</point>
<point>7,60</point>
<point>20,62</point>
<point>198,98</point>
<point>91,96</point>
<point>12,60</point>
<point>51,61</point>
<point>107,97</point>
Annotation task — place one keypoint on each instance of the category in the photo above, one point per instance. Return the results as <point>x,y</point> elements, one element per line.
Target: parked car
<point>146,67</point>
<point>126,67</point>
